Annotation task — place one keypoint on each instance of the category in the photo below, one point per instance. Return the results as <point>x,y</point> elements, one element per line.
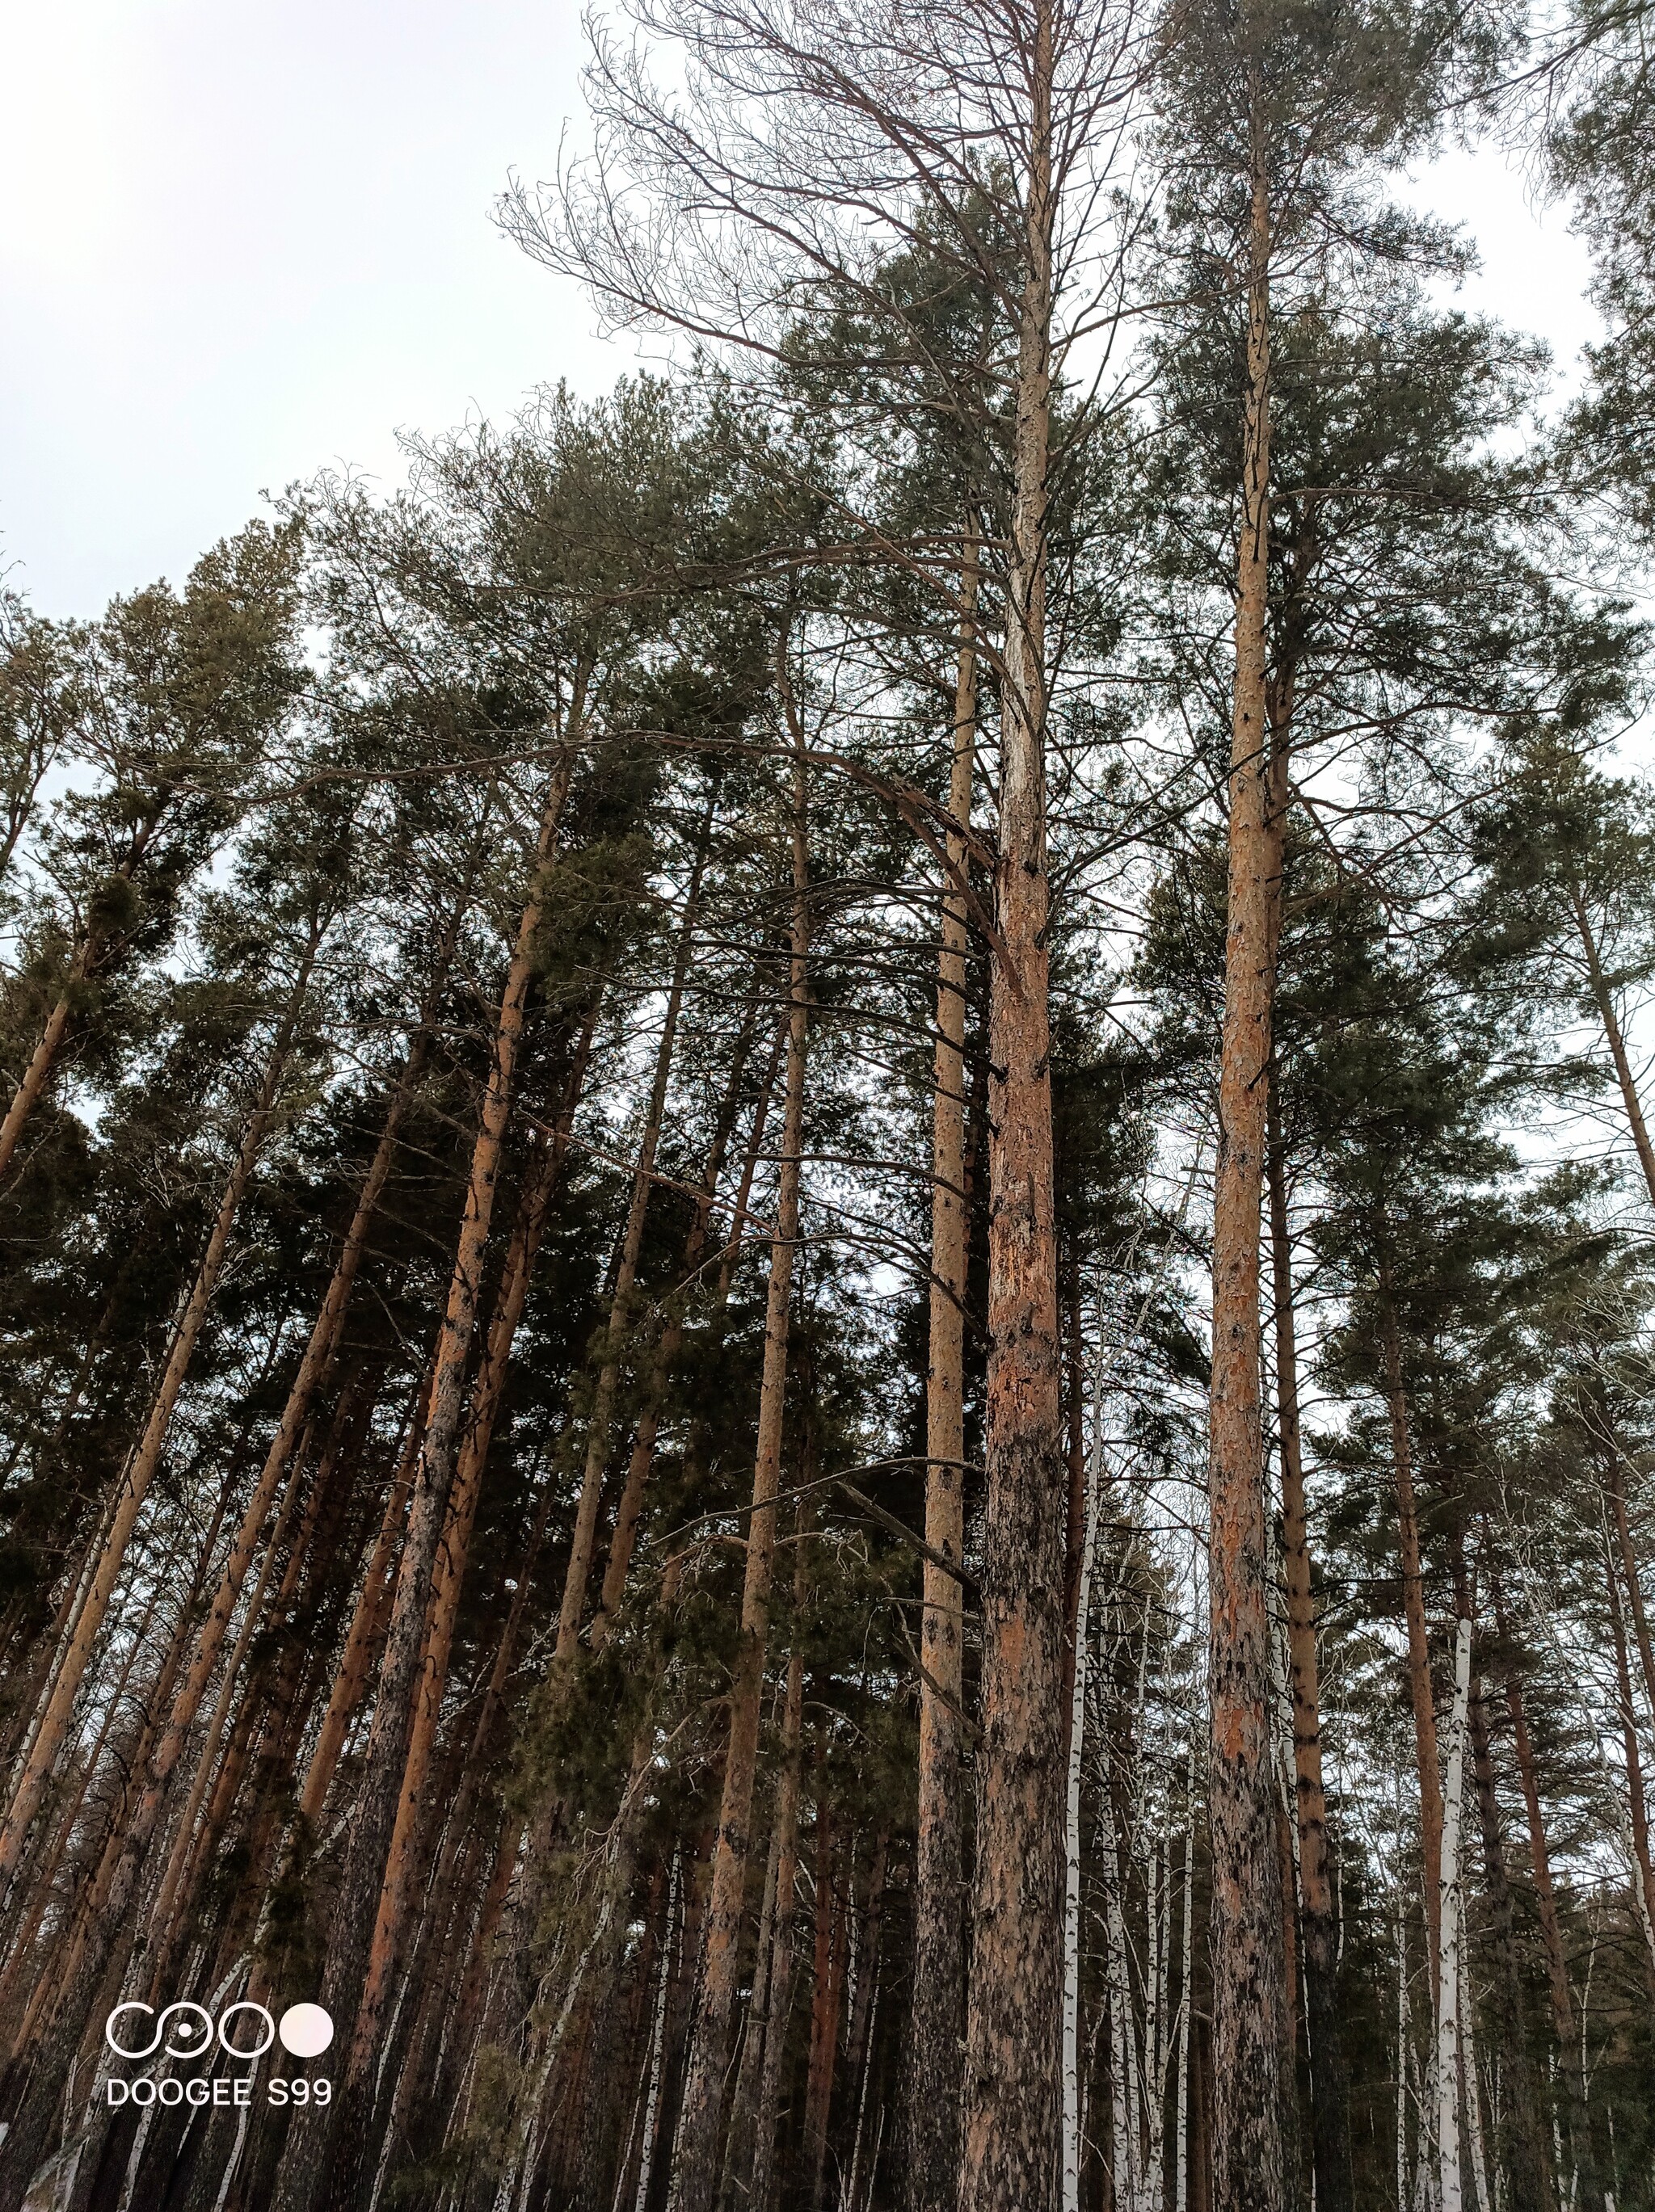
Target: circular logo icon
<point>306,2030</point>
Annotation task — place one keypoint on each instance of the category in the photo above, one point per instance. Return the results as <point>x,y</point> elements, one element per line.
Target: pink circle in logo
<point>306,2030</point>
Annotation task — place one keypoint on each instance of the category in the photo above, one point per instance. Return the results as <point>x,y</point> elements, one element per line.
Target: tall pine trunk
<point>1643,1872</point>
<point>314,1368</point>
<point>403,1864</point>
<point>1604,1000</point>
<point>369,1618</point>
<point>1013,2116</point>
<point>1248,2025</point>
<point>695,2147</point>
<point>316,2132</point>
<point>937,2019</point>
<point>833,1911</point>
<point>778,2006</point>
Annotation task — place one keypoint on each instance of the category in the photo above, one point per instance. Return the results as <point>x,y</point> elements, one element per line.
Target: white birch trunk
<point>1402,2055</point>
<point>1120,2028</point>
<point>1072,1822</point>
<point>1448,1958</point>
<point>1186,2007</point>
<point>1155,2036</point>
<point>657,2033</point>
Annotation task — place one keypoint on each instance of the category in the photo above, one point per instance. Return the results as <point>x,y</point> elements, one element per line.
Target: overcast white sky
<point>241,242</point>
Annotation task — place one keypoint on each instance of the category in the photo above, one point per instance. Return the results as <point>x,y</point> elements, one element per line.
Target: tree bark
<point>1526,2163</point>
<point>403,1866</point>
<point>779,1993</point>
<point>1248,2028</point>
<point>1636,1803</point>
<point>314,1370</point>
<point>1330,2074</point>
<point>1447,1956</point>
<point>833,1907</point>
<point>146,1458</point>
<point>402,1872</point>
<point>54,2026</point>
<point>937,2020</point>
<point>1557,1971</point>
<point>368,1622</point>
<point>304,2171</point>
<point>1012,2117</point>
<point>696,2149</point>
<point>1614,1481</point>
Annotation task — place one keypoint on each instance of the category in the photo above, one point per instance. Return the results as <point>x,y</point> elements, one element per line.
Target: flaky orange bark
<point>1249,2031</point>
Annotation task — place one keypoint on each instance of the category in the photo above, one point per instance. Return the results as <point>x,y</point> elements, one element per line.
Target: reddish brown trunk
<point>113,1707</point>
<point>1249,2031</point>
<point>368,1621</point>
<point>153,1792</point>
<point>20,1946</point>
<point>1012,2088</point>
<point>1637,1803</point>
<point>27,1096</point>
<point>696,2149</point>
<point>832,1930</point>
<point>403,1867</point>
<point>778,1995</point>
<point>314,1369</point>
<point>56,2018</point>
<point>1615,1483</point>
